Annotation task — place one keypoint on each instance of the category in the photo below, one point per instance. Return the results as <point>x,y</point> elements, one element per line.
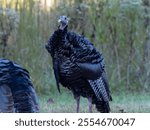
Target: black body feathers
<point>79,67</point>
<point>16,89</point>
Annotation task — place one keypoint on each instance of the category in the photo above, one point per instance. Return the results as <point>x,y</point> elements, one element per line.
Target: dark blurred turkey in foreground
<point>17,93</point>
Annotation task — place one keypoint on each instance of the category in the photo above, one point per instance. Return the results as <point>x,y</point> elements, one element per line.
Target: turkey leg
<point>90,104</point>
<point>78,103</point>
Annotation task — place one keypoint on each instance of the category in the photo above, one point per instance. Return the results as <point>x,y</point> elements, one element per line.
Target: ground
<point>129,102</point>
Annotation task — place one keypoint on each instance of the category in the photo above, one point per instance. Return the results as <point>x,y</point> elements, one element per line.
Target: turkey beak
<point>59,20</point>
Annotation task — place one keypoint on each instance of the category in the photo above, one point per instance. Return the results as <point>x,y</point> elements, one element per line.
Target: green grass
<point>65,103</point>
<point>61,103</point>
<point>138,102</point>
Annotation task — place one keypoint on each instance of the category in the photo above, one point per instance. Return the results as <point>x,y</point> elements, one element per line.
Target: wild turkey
<point>16,90</point>
<point>79,67</point>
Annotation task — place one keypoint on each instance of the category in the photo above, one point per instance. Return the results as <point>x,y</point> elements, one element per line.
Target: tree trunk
<point>146,3</point>
<point>146,57</point>
<point>130,57</point>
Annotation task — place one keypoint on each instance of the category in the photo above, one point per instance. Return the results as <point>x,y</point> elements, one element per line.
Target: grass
<point>137,102</point>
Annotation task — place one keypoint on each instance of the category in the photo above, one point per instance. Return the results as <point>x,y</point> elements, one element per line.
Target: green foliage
<point>116,27</point>
<point>9,20</point>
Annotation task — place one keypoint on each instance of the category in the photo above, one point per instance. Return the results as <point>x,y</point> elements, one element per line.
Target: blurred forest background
<point>120,29</point>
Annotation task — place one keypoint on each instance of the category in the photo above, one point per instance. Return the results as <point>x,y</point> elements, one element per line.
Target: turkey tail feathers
<point>17,93</point>
<point>102,106</point>
<point>6,99</point>
<point>102,93</point>
<point>26,102</point>
<point>99,89</point>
